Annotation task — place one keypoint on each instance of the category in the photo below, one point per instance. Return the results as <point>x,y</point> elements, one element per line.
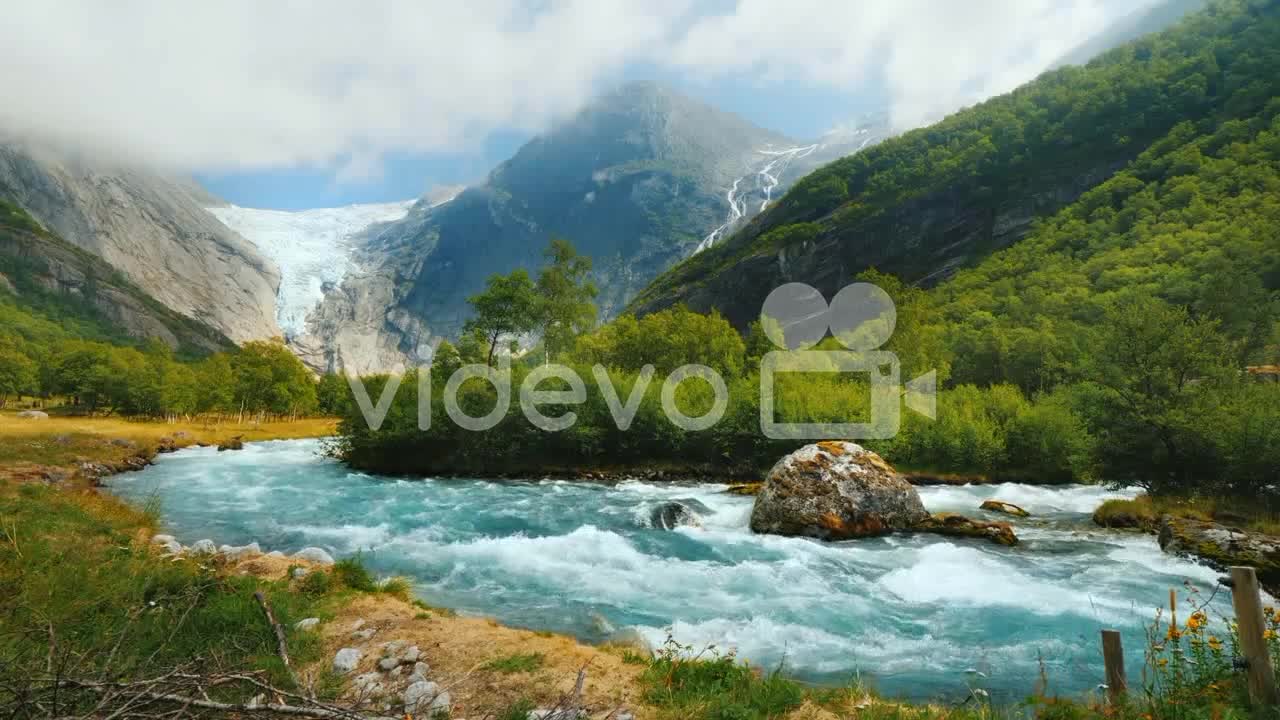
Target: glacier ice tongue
<point>312,248</point>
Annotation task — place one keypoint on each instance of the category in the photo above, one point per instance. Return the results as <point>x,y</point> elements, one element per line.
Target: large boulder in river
<point>835,491</point>
<point>675,513</point>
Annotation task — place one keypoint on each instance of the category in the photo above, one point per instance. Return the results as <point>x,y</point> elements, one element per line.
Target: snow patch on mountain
<point>312,248</point>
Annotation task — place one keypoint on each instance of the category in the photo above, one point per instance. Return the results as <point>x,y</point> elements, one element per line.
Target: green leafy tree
<point>508,307</point>
<point>566,296</point>
<point>445,361</point>
<point>17,374</point>
<point>1151,367</point>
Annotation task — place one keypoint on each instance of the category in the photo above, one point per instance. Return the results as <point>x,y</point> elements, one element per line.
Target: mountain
<point>152,228</point>
<point>44,276</point>
<point>922,205</point>
<point>637,180</point>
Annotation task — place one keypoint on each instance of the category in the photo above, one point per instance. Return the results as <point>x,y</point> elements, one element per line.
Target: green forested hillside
<point>921,205</point>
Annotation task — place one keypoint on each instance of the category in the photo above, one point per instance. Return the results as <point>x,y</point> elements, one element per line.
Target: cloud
<point>237,85</point>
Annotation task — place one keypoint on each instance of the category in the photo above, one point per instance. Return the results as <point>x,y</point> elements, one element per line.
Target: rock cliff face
<point>41,264</point>
<point>153,229</point>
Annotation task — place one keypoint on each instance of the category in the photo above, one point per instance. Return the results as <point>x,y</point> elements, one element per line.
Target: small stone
<point>557,714</point>
<point>420,670</point>
<point>275,554</point>
<point>346,660</point>
<point>425,698</point>
<point>368,684</point>
<point>162,539</point>
<point>315,555</point>
<point>121,442</point>
<point>392,648</point>
<point>173,547</point>
<point>388,663</point>
<point>394,672</point>
<point>357,624</point>
<point>299,572</point>
<point>243,552</point>
<point>203,547</point>
<point>33,415</point>
<point>306,624</point>
<point>364,634</point>
<point>411,655</point>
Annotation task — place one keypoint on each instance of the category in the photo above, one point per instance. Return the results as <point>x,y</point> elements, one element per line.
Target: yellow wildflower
<point>1268,634</point>
<point>1174,633</point>
<point>1197,621</point>
<point>1162,662</point>
<point>1215,644</point>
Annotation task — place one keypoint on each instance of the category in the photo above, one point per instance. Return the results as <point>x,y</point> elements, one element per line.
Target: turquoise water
<point>918,616</point>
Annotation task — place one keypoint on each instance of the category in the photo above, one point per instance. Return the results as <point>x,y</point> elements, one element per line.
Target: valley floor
<point>63,539</point>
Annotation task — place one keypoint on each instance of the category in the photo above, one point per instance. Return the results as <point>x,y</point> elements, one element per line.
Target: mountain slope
<point>637,180</point>
<point>42,274</point>
<point>153,229</point>
<point>939,198</point>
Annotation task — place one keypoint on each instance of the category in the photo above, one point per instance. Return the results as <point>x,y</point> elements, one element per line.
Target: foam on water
<point>909,612</point>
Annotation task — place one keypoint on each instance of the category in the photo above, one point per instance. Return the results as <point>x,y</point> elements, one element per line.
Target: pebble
<point>203,547</point>
<point>314,554</point>
<point>306,624</point>
<point>346,660</point>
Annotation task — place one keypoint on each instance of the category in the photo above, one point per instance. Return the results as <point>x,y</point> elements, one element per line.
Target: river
<point>921,617</point>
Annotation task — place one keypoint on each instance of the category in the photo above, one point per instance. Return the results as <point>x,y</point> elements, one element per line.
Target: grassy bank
<point>1144,512</point>
<point>64,441</point>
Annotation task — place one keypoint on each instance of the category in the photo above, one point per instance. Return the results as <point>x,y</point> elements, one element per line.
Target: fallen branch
<point>282,648</point>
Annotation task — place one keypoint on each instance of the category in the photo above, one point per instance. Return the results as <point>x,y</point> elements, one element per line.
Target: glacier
<point>312,248</point>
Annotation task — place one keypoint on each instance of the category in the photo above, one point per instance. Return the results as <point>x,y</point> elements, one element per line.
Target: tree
<point>17,374</point>
<point>508,307</point>
<point>1152,366</point>
<point>445,361</point>
<point>566,296</point>
<point>271,379</point>
<point>332,394</point>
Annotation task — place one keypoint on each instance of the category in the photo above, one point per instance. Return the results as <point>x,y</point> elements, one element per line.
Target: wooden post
<point>1113,659</point>
<point>1247,601</point>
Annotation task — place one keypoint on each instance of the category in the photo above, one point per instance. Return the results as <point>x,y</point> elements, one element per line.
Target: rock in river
<point>960,526</point>
<point>672,514</point>
<point>1001,506</point>
<point>835,491</point>
<point>1221,547</point>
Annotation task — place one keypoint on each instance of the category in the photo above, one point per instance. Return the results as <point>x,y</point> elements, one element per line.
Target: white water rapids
<point>913,614</point>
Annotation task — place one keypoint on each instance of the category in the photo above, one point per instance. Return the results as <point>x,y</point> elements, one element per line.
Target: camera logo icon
<point>861,317</point>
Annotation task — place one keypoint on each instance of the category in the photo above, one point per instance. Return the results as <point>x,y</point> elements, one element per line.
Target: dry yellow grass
<point>63,441</point>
